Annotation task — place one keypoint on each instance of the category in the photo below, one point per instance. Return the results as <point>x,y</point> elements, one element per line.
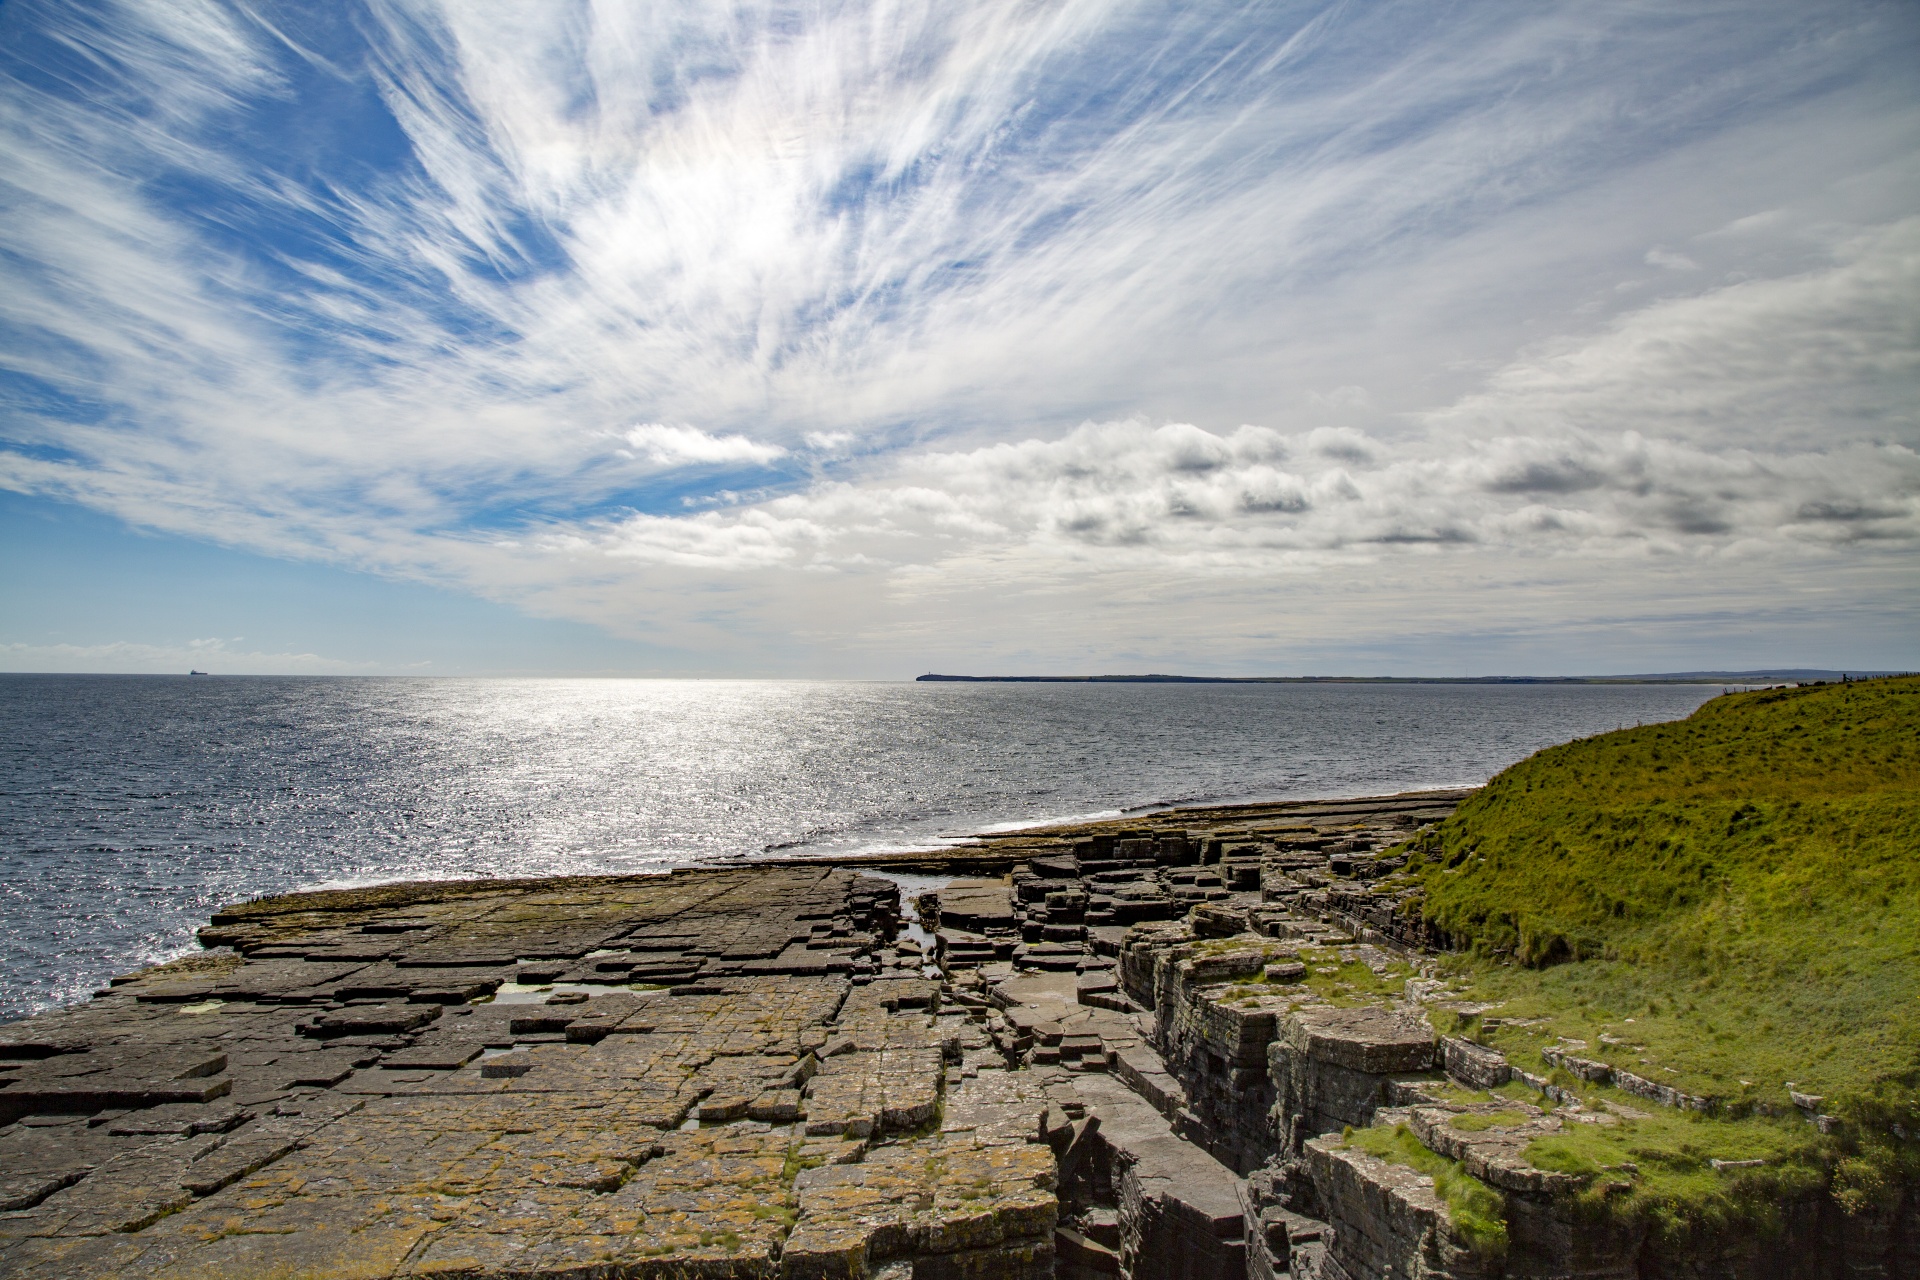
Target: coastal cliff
<point>1585,1022</point>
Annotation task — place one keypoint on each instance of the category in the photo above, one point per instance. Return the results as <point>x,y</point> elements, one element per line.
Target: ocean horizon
<point>134,806</point>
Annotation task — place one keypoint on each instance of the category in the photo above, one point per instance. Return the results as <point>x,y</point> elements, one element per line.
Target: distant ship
<point>196,673</point>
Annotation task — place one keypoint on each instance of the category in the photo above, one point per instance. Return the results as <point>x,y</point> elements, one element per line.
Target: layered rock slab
<point>740,1073</point>
<point>394,1129</point>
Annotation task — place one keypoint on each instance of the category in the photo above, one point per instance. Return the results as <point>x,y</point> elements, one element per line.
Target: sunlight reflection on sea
<point>134,806</point>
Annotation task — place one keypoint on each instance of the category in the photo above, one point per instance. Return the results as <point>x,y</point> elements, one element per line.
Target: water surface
<point>132,806</point>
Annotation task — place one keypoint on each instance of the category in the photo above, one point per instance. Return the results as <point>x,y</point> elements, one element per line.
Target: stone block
<point>25,1189</point>
<point>1386,1219</point>
<point>321,1070</point>
<point>104,1092</point>
<point>776,1106</point>
<point>1495,1155</point>
<point>1588,1069</point>
<point>976,905</point>
<point>1246,961</point>
<point>179,1120</point>
<point>371,1020</point>
<point>952,1206</point>
<point>1474,1065</point>
<point>1095,982</point>
<point>1665,1095</point>
<point>442,1055</point>
<point>1369,1039</point>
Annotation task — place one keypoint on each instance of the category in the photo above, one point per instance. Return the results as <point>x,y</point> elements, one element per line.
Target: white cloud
<point>665,446</point>
<point>1343,444</point>
<point>1808,360</point>
<point>822,297</point>
<point>1203,503</point>
<point>1545,475</point>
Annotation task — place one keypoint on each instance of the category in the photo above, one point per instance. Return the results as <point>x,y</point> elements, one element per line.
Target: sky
<point>867,339</point>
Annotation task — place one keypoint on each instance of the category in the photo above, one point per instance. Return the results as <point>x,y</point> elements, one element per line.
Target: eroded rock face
<point>1333,1067</point>
<point>1213,1034</point>
<point>1245,1056</point>
<point>1387,1220</point>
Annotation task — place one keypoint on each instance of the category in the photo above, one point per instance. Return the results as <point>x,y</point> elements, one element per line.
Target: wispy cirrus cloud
<point>545,299</point>
<point>1802,361</point>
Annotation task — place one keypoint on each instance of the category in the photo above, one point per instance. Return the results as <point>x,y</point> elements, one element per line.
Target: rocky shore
<point>1136,1049</point>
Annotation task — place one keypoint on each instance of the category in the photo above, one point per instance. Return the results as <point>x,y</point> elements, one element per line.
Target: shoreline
<point>1002,849</point>
<point>983,850</point>
<point>109,893</point>
<point>1179,1042</point>
<point>986,850</point>
<point>994,852</point>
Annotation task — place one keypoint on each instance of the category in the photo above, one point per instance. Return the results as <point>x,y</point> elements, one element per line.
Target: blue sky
<point>868,339</point>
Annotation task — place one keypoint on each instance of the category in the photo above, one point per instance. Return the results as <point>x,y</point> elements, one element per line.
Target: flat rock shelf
<point>1108,1060</point>
<point>742,1072</point>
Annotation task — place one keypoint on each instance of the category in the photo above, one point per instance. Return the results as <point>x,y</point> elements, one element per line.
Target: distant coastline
<point>1770,676</point>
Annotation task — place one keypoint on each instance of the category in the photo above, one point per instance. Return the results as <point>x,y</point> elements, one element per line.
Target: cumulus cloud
<point>1156,509</point>
<point>1589,475</point>
<point>1253,500</point>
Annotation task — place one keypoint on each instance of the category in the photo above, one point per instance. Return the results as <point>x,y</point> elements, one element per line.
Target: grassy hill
<point>1727,903</point>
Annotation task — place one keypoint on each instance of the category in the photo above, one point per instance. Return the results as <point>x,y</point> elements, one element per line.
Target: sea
<point>131,807</point>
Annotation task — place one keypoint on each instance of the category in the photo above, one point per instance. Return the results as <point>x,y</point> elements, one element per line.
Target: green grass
<point>1350,982</point>
<point>1655,1166</point>
<point>1725,904</point>
<point>795,1163</point>
<point>1658,1169</point>
<point>1732,900</point>
<point>1481,1121</point>
<point>1477,1211</point>
<point>1331,979</point>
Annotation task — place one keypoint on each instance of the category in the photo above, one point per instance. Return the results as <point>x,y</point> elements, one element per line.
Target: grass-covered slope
<point>1725,903</point>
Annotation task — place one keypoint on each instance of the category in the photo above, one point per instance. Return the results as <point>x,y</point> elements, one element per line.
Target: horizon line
<point>1766,675</point>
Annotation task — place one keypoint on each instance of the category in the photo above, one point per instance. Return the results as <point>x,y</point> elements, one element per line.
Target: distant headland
<point>1783,675</point>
